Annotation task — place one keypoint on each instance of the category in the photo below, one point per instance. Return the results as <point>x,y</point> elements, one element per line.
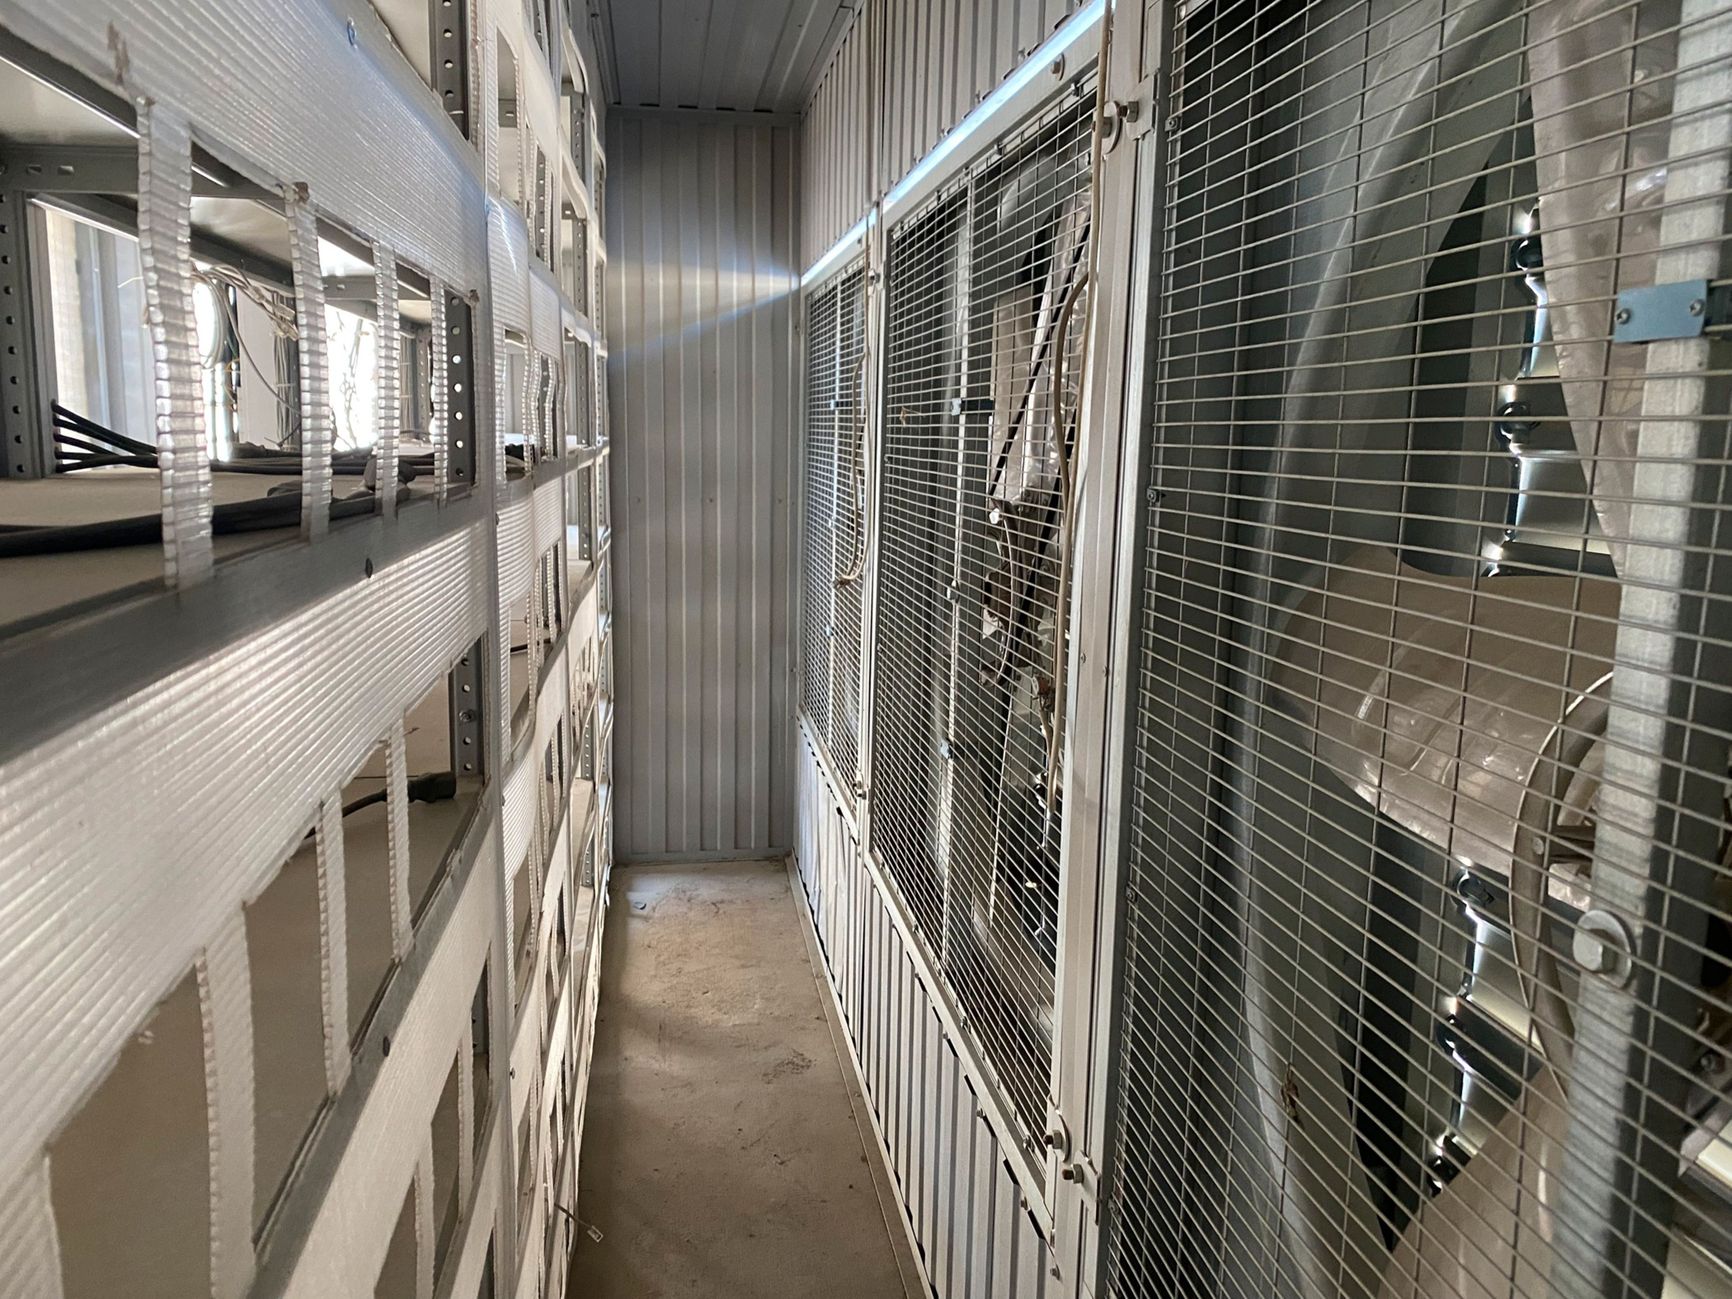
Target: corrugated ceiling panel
<point>942,57</point>
<point>701,283</point>
<point>748,55</point>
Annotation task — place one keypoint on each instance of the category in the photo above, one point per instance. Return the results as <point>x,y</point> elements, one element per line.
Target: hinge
<point>1658,312</point>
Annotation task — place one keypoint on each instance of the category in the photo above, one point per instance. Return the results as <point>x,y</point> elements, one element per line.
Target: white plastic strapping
<point>543,310</point>
<point>488,48</point>
<point>333,942</point>
<point>397,805</point>
<point>165,258</point>
<point>316,431</point>
<point>388,349</point>
<point>466,1112</point>
<point>226,1018</point>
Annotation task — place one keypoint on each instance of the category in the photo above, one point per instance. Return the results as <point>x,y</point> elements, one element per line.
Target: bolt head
<point>1591,954</point>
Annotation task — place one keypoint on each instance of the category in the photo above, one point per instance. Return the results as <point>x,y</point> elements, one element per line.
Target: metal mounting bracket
<point>1684,309</point>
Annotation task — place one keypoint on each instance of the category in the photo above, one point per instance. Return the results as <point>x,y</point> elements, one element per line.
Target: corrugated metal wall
<point>701,286</point>
<point>927,63</point>
<point>962,1203</point>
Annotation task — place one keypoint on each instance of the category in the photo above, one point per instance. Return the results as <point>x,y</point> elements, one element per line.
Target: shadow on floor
<point>722,1155</point>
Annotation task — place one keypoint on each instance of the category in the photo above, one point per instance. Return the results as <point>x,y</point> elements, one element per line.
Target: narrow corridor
<point>724,1154</point>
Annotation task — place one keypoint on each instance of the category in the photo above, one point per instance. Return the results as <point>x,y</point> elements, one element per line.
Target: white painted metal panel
<point>961,1202</point>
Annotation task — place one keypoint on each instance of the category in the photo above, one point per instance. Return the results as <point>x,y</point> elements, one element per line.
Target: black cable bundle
<point>82,443</point>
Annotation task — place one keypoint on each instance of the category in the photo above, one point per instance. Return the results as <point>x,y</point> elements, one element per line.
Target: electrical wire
<point>862,476</point>
<point>261,514</point>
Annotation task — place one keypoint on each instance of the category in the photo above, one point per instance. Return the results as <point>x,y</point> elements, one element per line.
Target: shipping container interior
<point>1167,676</point>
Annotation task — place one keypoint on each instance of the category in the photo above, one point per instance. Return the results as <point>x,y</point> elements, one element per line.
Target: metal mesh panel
<point>834,518</point>
<point>818,526</point>
<point>1425,934</point>
<point>967,818</point>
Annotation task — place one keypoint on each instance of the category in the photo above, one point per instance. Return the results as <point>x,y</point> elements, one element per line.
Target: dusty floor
<point>722,1155</point>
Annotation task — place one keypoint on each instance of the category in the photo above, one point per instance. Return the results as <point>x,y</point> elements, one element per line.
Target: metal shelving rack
<point>167,750</point>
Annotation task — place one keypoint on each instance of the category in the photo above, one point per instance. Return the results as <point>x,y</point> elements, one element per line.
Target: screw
<point>1697,306</point>
<point>1623,316</point>
<point>1058,66</point>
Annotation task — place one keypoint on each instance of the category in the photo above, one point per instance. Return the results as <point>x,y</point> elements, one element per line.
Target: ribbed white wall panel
<point>508,261</point>
<point>906,72</point>
<point>962,1204</point>
<point>701,283</point>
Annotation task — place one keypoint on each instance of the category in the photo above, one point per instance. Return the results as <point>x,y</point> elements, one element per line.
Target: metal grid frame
<point>968,812</point>
<point>366,612</point>
<point>833,523</point>
<point>1425,812</point>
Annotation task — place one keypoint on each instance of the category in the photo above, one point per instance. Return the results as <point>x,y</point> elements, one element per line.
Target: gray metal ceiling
<point>736,54</point>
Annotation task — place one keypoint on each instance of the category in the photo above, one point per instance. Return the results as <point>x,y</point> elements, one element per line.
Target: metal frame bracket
<point>1684,309</point>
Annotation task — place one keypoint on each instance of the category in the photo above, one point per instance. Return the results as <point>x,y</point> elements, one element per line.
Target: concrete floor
<point>725,1151</point>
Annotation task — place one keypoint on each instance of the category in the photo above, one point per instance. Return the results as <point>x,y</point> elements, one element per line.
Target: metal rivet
<point>1697,306</point>
<point>1623,316</point>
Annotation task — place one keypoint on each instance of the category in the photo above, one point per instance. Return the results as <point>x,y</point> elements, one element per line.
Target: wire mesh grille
<point>834,522</point>
<point>1429,723</point>
<point>976,447</point>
